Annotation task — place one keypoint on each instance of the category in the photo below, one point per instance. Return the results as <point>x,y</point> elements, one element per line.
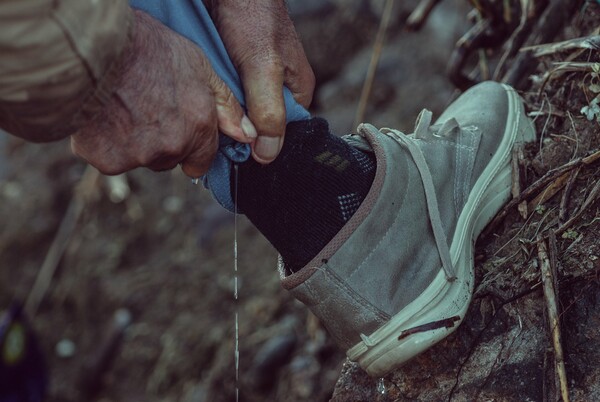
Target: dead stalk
<point>588,201</point>
<point>537,187</point>
<point>377,47</point>
<point>564,201</point>
<point>61,240</point>
<point>550,296</point>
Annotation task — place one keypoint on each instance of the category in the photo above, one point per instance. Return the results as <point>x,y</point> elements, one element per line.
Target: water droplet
<point>381,386</point>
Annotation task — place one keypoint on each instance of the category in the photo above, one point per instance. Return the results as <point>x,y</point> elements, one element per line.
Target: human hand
<point>264,47</point>
<point>168,108</point>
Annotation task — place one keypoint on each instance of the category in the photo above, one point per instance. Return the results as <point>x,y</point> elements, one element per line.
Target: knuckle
<point>109,169</point>
<point>274,116</point>
<point>172,148</point>
<point>206,119</point>
<point>106,162</point>
<point>265,62</point>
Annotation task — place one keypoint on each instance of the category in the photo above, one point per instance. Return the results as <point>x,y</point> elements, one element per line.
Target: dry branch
<point>377,47</point>
<point>564,201</point>
<point>517,159</point>
<point>548,25</point>
<point>83,190</point>
<point>549,192</point>
<point>589,42</point>
<point>536,187</point>
<point>573,66</point>
<point>417,18</point>
<point>518,37</point>
<point>588,201</point>
<point>548,281</point>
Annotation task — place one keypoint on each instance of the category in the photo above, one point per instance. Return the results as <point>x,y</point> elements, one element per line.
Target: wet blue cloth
<point>191,19</point>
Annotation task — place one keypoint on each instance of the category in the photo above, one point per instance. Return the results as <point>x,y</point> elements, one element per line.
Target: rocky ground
<point>156,246</point>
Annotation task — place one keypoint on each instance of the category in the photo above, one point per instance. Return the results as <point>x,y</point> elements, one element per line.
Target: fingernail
<point>267,148</point>
<point>248,128</point>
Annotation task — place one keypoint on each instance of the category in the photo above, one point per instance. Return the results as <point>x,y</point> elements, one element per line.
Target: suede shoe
<point>398,277</point>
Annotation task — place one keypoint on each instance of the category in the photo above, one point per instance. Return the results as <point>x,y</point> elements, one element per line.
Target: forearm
<point>60,62</point>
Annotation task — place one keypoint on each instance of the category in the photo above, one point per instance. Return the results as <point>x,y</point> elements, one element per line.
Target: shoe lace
<point>422,131</point>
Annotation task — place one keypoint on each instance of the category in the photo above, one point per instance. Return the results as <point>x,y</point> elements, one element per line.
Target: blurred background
<point>135,299</point>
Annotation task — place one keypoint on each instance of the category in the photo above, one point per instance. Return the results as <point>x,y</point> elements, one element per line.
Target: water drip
<point>381,390</point>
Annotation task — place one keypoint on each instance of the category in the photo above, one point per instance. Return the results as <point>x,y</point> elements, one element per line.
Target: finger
<point>230,116</point>
<point>301,84</point>
<point>264,98</point>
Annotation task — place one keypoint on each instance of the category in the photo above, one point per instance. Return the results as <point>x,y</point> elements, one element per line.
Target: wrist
<point>108,84</point>
<point>142,38</point>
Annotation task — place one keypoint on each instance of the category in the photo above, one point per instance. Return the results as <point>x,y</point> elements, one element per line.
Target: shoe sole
<point>438,311</point>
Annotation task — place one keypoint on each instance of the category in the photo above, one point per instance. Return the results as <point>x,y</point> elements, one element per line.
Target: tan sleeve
<point>59,61</point>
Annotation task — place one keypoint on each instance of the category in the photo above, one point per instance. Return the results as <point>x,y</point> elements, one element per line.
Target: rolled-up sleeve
<point>59,61</point>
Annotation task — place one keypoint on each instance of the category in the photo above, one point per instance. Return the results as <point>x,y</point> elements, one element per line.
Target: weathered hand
<point>167,108</point>
<point>262,43</point>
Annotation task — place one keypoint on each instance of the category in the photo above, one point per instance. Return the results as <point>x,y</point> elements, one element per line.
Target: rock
<point>502,353</point>
<point>304,371</point>
<point>118,188</point>
<point>270,358</point>
<point>65,348</point>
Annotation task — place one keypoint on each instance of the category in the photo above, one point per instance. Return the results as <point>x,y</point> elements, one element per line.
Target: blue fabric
<point>190,19</point>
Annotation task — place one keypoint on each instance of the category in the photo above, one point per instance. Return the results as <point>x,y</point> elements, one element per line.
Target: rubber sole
<point>438,311</point>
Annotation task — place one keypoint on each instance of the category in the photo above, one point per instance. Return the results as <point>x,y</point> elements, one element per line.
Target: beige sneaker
<point>398,277</point>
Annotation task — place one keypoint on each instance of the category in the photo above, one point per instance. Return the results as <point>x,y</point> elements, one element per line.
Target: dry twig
<point>549,192</point>
<point>547,26</point>
<point>564,201</point>
<point>83,190</point>
<point>517,38</point>
<point>517,159</point>
<point>588,201</point>
<point>574,66</point>
<point>417,18</point>
<point>536,187</point>
<point>588,42</point>
<point>548,281</point>
<point>377,47</point>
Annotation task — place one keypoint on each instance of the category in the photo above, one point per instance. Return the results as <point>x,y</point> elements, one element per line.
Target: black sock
<point>303,198</point>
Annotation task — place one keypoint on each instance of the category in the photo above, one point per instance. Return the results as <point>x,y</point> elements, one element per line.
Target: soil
<point>157,246</point>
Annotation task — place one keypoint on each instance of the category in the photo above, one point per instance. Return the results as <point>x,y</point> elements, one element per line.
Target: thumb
<point>230,116</point>
<point>263,86</point>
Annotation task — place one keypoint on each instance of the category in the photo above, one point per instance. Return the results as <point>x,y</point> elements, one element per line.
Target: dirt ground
<point>158,247</point>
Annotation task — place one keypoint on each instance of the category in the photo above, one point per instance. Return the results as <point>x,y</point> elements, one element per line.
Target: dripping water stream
<point>235,286</point>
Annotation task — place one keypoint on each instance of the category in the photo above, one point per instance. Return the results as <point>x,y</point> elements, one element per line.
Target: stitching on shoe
<point>473,137</point>
<point>457,172</point>
<point>446,143</point>
<point>336,281</point>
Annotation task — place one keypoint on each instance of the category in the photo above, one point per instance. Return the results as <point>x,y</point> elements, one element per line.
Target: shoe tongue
<point>422,124</point>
